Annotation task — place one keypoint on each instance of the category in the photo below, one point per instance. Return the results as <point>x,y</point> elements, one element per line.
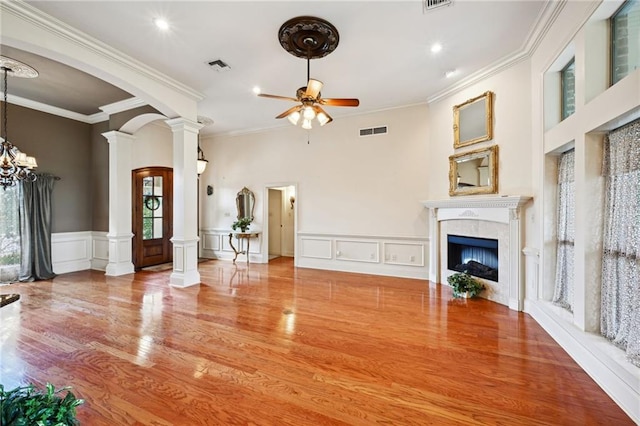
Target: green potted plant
<point>464,285</point>
<point>242,223</point>
<point>27,405</point>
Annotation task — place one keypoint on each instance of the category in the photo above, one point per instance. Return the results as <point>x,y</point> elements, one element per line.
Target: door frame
<point>168,206</point>
<point>265,221</point>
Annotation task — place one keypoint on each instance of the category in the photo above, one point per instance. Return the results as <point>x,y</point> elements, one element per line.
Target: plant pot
<point>462,295</point>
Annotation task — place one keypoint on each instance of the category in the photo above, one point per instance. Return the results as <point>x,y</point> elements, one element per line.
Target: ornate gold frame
<point>478,155</point>
<point>471,108</point>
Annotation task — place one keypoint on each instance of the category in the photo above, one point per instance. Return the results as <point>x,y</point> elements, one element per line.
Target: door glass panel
<point>147,185</point>
<point>157,227</point>
<point>147,229</point>
<point>157,186</point>
<point>152,207</point>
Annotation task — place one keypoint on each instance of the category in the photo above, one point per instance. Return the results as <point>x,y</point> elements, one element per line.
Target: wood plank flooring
<point>272,344</point>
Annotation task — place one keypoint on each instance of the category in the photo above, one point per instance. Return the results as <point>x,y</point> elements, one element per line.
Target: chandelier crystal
<point>14,164</point>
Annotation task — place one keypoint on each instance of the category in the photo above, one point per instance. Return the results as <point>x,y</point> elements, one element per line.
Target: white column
<point>516,278</point>
<point>120,259</point>
<point>185,202</point>
<point>434,246</point>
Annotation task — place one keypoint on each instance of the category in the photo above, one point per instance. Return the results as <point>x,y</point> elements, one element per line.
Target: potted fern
<point>464,285</point>
<point>27,405</point>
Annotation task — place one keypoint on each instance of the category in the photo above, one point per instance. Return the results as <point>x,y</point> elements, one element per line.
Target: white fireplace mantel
<point>503,209</point>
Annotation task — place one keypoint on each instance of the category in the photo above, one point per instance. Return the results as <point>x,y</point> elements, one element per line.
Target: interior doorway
<point>152,201</point>
<point>281,224</point>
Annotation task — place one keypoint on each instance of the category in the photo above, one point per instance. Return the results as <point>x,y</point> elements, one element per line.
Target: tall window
<point>625,39</point>
<point>9,235</point>
<point>620,319</point>
<point>568,81</point>
<point>563,293</point>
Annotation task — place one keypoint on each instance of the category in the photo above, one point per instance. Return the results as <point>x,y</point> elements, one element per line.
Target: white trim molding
<point>605,363</point>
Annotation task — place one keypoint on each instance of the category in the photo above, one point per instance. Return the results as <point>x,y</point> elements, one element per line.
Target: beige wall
<point>347,184</point>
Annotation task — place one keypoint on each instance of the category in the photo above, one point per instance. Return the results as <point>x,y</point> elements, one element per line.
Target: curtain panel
<point>563,293</point>
<point>620,320</point>
<point>35,228</point>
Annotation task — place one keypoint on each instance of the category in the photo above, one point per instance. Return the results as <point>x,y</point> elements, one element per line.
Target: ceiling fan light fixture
<point>323,118</point>
<point>309,37</point>
<point>308,113</point>
<point>294,117</point>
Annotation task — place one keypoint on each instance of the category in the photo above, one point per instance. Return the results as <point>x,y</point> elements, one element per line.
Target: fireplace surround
<point>478,213</point>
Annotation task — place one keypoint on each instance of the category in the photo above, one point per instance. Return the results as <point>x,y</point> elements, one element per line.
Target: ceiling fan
<point>311,38</point>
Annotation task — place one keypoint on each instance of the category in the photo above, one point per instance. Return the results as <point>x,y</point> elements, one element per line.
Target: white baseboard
<point>601,360</point>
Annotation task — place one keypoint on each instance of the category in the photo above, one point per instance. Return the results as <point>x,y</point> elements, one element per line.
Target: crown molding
<point>60,112</point>
<point>124,105</point>
<point>31,14</point>
<point>98,117</point>
<point>545,20</point>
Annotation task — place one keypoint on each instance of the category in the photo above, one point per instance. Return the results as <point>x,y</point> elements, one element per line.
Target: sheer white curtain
<point>9,235</point>
<point>563,293</point>
<point>620,321</point>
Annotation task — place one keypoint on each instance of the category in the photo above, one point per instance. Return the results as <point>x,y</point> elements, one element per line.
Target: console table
<point>242,236</point>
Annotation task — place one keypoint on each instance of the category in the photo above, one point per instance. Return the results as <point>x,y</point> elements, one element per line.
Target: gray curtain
<point>620,321</point>
<point>35,228</point>
<point>563,293</point>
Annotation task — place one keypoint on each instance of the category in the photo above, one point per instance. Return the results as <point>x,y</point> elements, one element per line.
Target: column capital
<point>114,136</point>
<point>183,124</point>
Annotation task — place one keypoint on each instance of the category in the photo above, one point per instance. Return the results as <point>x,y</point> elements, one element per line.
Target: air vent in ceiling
<point>434,4</point>
<point>371,131</point>
<point>219,65</point>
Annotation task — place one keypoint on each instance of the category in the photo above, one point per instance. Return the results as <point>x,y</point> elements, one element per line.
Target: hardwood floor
<point>271,344</point>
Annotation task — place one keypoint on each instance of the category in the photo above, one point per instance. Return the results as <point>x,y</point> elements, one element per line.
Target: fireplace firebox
<point>475,256</point>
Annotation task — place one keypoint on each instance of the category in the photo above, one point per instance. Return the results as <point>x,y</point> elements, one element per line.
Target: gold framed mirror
<point>473,121</point>
<point>474,172</point>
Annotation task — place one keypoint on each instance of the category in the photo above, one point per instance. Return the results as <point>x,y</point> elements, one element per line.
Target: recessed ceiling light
<point>450,73</point>
<point>161,23</point>
<point>256,90</point>
<point>436,47</point>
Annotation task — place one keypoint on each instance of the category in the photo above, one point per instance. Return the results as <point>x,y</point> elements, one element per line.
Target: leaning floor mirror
<point>474,172</point>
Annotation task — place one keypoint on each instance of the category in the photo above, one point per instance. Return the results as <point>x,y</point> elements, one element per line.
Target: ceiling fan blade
<point>344,102</point>
<point>290,110</point>
<point>284,98</point>
<point>313,88</point>
<point>322,116</point>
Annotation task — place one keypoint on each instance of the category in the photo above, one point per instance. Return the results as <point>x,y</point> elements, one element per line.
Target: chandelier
<point>14,164</point>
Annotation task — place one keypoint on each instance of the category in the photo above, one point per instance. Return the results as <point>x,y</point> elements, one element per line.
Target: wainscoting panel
<point>215,245</point>
<point>400,256</point>
<point>71,251</point>
<point>318,248</point>
<point>368,254</point>
<point>100,251</point>
<point>409,254</point>
<point>358,251</point>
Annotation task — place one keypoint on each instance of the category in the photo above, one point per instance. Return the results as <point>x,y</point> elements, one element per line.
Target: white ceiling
<point>383,57</point>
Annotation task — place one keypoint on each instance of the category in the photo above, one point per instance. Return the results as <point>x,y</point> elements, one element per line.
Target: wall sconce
<point>292,200</point>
